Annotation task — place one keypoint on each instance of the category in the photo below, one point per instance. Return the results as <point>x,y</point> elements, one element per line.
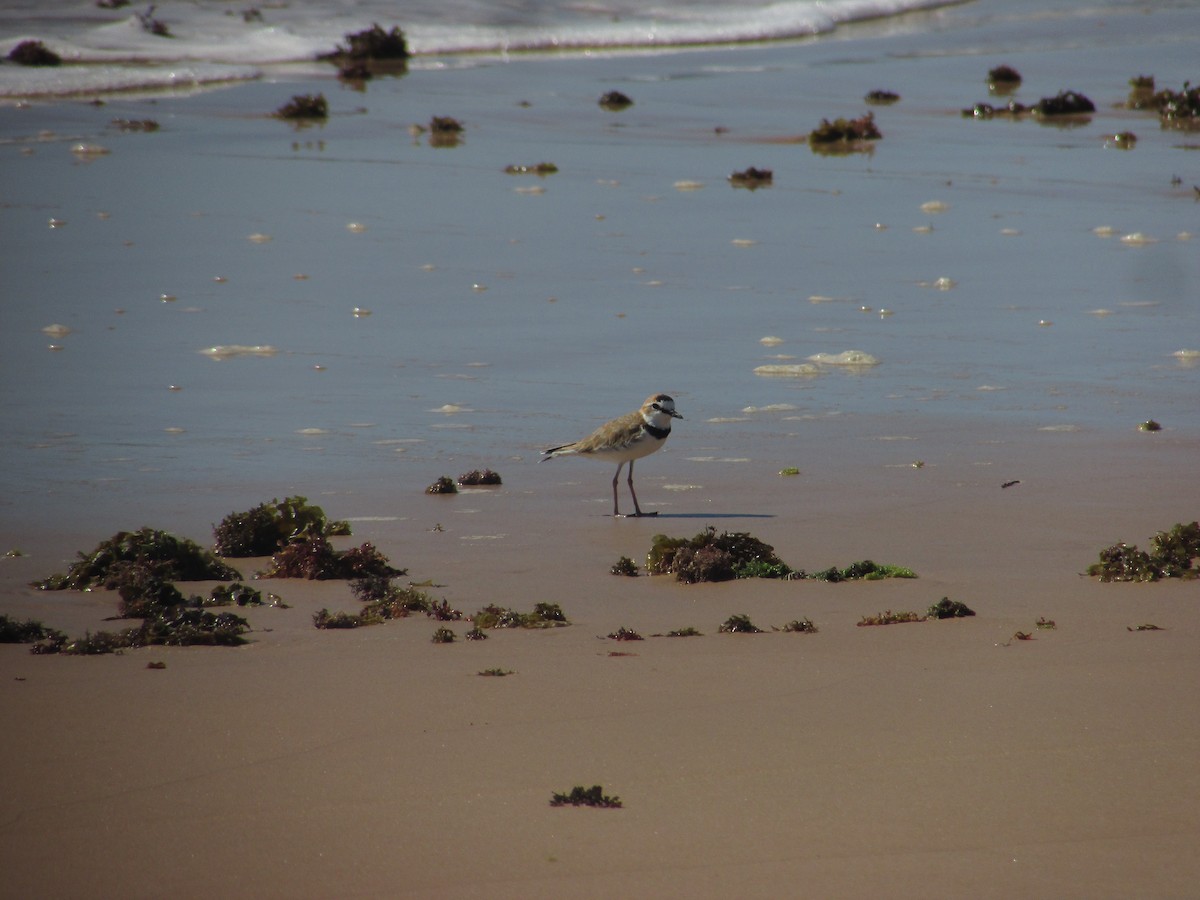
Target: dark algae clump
<point>479,477</point>
<point>581,796</point>
<point>614,101</point>
<point>444,485</point>
<point>624,566</point>
<point>34,53</point>
<point>544,615</point>
<point>267,527</point>
<point>1173,554</point>
<point>315,558</point>
<point>159,553</point>
<point>844,135</point>
<point>14,632</point>
<point>949,609</point>
<point>1065,103</point>
<point>304,107</point>
<point>730,555</point>
<point>373,46</point>
<point>739,624</point>
<point>752,179</point>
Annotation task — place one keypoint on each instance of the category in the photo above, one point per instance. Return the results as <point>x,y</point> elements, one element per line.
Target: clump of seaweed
<point>166,556</point>
<point>800,626</point>
<point>712,557</point>
<point>315,558</point>
<point>443,636</point>
<point>1141,92</point>
<point>615,101</point>
<point>1003,79</point>
<point>236,593</point>
<point>865,570</point>
<point>444,131</point>
<point>625,634</point>
<point>1149,425</point>
<point>949,609</point>
<point>1179,109</point>
<point>477,477</point>
<point>27,632</point>
<point>495,672</point>
<point>881,97</point>
<point>33,53</point>
<point>581,796</point>
<point>304,107</point>
<point>1065,103</point>
<point>178,626</point>
<point>1172,555</point>
<point>689,631</point>
<point>987,111</point>
<point>544,615</point>
<point>1045,624</point>
<point>739,624</point>
<point>371,45</point>
<point>475,633</point>
<point>542,169</point>
<point>752,179</point>
<point>323,618</point>
<point>1148,626</point>
<point>844,135</point>
<point>143,125</point>
<point>444,485</point>
<point>624,566</point>
<point>891,618</point>
<point>267,527</point>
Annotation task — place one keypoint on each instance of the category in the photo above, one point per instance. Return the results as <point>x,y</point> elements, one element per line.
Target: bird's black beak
<point>675,415</point>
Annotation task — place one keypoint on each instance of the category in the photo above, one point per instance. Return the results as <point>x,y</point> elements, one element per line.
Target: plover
<point>626,439</point>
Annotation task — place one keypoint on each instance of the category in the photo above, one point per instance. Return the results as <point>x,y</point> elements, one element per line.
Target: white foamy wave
<point>205,35</point>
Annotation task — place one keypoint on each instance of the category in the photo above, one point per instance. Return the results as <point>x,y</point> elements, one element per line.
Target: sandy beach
<point>472,317</point>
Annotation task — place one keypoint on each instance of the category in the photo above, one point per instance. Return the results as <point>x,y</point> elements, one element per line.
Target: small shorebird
<point>626,439</point>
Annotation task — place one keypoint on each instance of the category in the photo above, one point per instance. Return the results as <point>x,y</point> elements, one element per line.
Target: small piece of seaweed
<point>625,634</point>
<point>844,134</point>
<point>1046,624</point>
<point>891,618</point>
<point>477,477</point>
<point>866,570</point>
<point>581,796</point>
<point>800,626</point>
<point>323,618</point>
<point>752,179</point>
<point>739,624</point>
<point>372,44</point>
<point>949,609</point>
<point>544,615</point>
<point>1065,103</point>
<point>444,485</point>
<point>614,101</point>
<point>443,636</point>
<point>712,557</point>
<point>496,672</point>
<point>624,566</point>
<point>689,631</point>
<point>881,97</point>
<point>303,107</point>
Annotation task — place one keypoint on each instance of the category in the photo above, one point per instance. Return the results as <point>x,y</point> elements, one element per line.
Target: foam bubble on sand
<point>773,407</point>
<point>845,358</point>
<point>724,459</point>
<point>258,238</point>
<point>1137,239</point>
<point>56,331</point>
<point>768,341</point>
<point>743,242</point>
<point>934,206</point>
<point>1062,428</point>
<point>1104,231</point>
<point>784,370</point>
<point>682,487</point>
<point>228,351</point>
<point>451,408</point>
<point>689,185</point>
<point>312,431</point>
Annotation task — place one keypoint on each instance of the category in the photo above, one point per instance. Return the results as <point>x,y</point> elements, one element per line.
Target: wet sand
<point>941,758</point>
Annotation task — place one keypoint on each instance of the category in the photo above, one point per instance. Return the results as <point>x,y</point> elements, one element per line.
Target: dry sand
<point>935,759</point>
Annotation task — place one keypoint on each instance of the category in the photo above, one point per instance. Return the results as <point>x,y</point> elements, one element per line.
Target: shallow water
<point>508,313</point>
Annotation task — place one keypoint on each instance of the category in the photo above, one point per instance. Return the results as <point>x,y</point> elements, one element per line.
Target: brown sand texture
<point>939,758</point>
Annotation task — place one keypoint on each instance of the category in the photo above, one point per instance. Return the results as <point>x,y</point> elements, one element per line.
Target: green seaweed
<point>27,632</point>
<point>323,618</point>
<point>866,570</point>
<point>304,107</point>
<point>800,626</point>
<point>1172,555</point>
<point>178,626</point>
<point>444,485</point>
<point>443,636</point>
<point>712,557</point>
<point>844,135</point>
<point>625,634</point>
<point>267,527</point>
<point>739,624</point>
<point>689,631</point>
<point>495,672</point>
<point>167,557</point>
<point>544,615</point>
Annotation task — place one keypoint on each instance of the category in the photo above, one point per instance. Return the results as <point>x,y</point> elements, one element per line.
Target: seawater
<point>430,314</point>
